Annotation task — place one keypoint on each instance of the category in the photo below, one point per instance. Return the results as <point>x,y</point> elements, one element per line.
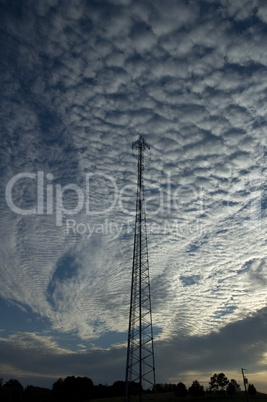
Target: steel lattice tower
<point>140,366</point>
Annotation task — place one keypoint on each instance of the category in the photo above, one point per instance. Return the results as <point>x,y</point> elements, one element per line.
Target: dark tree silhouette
<point>196,390</point>
<point>1,386</point>
<point>251,390</point>
<point>58,391</point>
<point>12,391</point>
<point>101,391</point>
<point>72,389</point>
<point>158,388</point>
<point>161,388</point>
<point>82,389</point>
<point>118,388</point>
<point>181,391</point>
<point>169,387</point>
<point>33,394</point>
<point>230,389</point>
<point>218,382</point>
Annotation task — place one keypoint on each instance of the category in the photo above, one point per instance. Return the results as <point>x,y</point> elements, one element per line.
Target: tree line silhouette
<point>82,389</point>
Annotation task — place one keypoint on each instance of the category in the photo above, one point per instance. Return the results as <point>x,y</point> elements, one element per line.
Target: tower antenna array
<point>140,365</point>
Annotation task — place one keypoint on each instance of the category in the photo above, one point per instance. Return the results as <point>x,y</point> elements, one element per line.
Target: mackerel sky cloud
<point>80,81</point>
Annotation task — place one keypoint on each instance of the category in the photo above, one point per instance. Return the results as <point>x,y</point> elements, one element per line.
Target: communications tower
<point>140,366</point>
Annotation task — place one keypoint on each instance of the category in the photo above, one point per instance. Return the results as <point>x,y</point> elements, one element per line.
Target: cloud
<point>177,356</point>
<point>29,356</point>
<point>173,16</point>
<point>80,87</point>
<point>214,352</point>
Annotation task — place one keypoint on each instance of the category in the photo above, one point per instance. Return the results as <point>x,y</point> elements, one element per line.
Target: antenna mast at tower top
<point>140,145</point>
<point>140,366</point>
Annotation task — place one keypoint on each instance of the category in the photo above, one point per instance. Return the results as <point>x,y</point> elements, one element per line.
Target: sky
<point>80,82</point>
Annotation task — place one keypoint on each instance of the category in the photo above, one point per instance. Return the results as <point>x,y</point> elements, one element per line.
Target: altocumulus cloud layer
<point>80,82</point>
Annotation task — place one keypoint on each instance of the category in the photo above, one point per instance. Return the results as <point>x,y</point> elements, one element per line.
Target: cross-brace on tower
<point>140,366</point>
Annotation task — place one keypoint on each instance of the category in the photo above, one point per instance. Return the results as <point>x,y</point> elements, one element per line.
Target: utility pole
<point>140,365</point>
<point>245,380</point>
